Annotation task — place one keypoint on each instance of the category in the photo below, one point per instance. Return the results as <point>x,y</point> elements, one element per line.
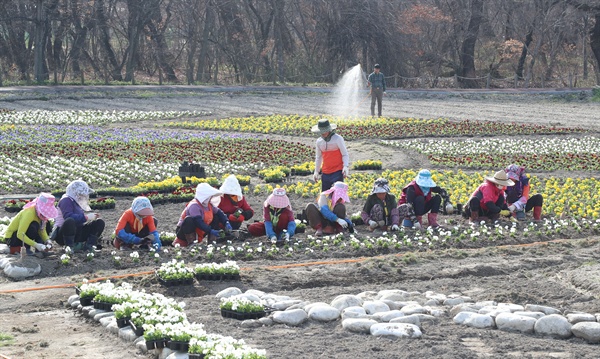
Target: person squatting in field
<point>137,226</point>
<point>418,198</point>
<point>30,227</point>
<point>380,209</point>
<point>233,203</point>
<point>517,196</point>
<point>201,217</point>
<point>488,200</point>
<point>328,215</point>
<point>331,159</point>
<point>76,226</point>
<point>279,224</point>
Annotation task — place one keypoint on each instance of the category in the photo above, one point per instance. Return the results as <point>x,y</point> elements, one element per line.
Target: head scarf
<point>231,186</point>
<point>514,172</point>
<point>338,191</point>
<point>79,191</point>
<point>381,185</point>
<point>141,206</point>
<point>278,199</point>
<point>205,192</point>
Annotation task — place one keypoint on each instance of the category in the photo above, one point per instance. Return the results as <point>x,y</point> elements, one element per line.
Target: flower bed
<point>217,271</point>
<point>175,273</point>
<point>102,203</point>
<point>367,165</point>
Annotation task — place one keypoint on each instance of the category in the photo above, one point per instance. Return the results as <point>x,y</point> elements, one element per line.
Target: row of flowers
<point>88,117</point>
<point>546,154</point>
<point>163,319</point>
<point>368,127</point>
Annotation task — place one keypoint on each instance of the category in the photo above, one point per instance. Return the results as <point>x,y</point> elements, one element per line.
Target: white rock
<point>368,295</point>
<point>127,334</point>
<point>141,346</point>
<point>512,307</point>
<point>354,312</point>
<point>113,328</point>
<point>376,306</point>
<point>435,296</point>
<point>405,303</point>
<point>99,316</point>
<point>413,309</point>
<point>414,293</point>
<point>344,301</point>
<point>4,262</point>
<point>178,355</point>
<point>87,309</point>
<point>451,302</point>
<point>401,330</point>
<point>536,315</point>
<point>494,311</point>
<point>229,292</point>
<point>107,320</point>
<point>323,313</point>
<point>300,305</point>
<point>165,353</point>
<point>410,319</point>
<point>387,316</point>
<point>436,312</point>
<point>463,308</point>
<point>358,325</point>
<point>480,321</point>
<point>575,318</point>
<point>391,304</point>
<point>553,325</point>
<point>75,304</point>
<point>515,323</point>
<point>426,317</point>
<point>93,312</point>
<point>396,297</point>
<point>400,293</point>
<point>589,331</point>
<point>258,293</point>
<point>275,297</point>
<point>19,270</point>
<point>486,303</point>
<point>292,318</point>
<point>266,321</point>
<point>432,303</point>
<point>250,323</point>
<point>541,308</point>
<point>251,297</point>
<point>73,298</point>
<point>4,249</point>
<point>461,317</point>
<point>315,304</point>
<point>285,304</point>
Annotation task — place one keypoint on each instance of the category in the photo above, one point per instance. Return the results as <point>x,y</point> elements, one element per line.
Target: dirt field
<point>563,274</point>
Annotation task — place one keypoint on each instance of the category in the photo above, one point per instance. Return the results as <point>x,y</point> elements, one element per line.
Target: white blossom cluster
<point>88,117</point>
<point>229,267</point>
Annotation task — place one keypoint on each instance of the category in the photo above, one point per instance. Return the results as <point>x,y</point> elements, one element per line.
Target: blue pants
<point>327,180</point>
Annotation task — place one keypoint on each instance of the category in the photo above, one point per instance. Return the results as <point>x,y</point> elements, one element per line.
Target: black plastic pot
<point>196,356</point>
<point>123,322</point>
<point>86,302</point>
<point>138,331</point>
<point>241,316</point>
<point>156,344</point>
<point>175,283</point>
<point>103,306</point>
<point>179,346</point>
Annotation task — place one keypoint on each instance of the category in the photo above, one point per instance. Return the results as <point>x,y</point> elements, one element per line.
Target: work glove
<point>136,240</point>
<point>505,212</point>
<point>342,222</point>
<point>417,225</point>
<point>273,239</point>
<point>91,217</point>
<point>215,233</point>
<point>233,218</point>
<point>40,247</point>
<point>512,208</point>
<point>316,176</point>
<point>285,237</point>
<point>228,228</point>
<point>395,227</point>
<point>48,244</point>
<point>345,171</point>
<point>373,224</point>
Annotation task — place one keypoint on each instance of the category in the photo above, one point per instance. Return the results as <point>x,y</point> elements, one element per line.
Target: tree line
<point>300,41</point>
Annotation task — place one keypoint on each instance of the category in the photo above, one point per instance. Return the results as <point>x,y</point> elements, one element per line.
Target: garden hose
<point>282,266</point>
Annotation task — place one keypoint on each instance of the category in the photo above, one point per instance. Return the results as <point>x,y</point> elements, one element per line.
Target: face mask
<point>499,186</point>
<point>215,200</point>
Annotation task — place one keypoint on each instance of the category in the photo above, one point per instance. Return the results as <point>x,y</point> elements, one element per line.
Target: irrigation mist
<point>348,93</point>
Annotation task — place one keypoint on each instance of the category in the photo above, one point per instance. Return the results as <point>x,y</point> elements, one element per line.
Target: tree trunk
<point>467,55</point>
<point>201,75</point>
<point>115,68</point>
<point>521,64</point>
<point>278,24</point>
<point>595,44</point>
<point>133,36</point>
<point>38,55</point>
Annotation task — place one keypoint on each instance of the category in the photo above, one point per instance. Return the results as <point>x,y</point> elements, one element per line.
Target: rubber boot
<point>69,241</point>
<point>537,213</point>
<point>474,218</point>
<point>407,223</point>
<point>90,244</point>
<point>432,219</point>
<point>520,215</point>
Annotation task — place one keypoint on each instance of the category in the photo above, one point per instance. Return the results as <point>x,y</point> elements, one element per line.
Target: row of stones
<point>400,313</point>
<point>108,321</point>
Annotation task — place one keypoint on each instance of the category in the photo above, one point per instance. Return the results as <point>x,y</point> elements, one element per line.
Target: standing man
<point>331,155</point>
<point>376,81</point>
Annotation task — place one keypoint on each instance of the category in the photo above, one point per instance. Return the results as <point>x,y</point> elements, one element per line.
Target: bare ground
<point>563,275</point>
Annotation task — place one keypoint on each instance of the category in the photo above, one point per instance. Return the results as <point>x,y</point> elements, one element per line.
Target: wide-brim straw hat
<point>323,126</point>
<point>501,178</point>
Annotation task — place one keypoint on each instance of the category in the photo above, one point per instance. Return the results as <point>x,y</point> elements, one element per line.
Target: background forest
<point>419,43</point>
